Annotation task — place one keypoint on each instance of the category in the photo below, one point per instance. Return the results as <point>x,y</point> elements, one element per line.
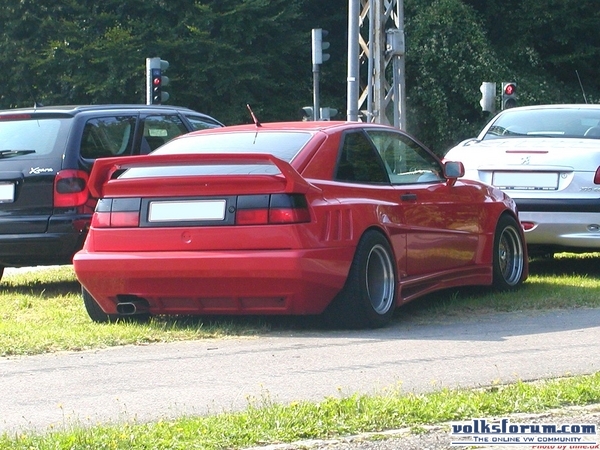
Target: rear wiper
<point>9,153</point>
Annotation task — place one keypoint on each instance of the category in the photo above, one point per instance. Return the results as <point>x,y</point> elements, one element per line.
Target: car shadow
<point>433,317</point>
<point>40,288</point>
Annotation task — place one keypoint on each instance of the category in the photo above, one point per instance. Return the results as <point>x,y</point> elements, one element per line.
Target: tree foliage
<point>224,54</point>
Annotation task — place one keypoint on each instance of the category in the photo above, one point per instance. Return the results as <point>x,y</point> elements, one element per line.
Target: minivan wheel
<point>94,310</point>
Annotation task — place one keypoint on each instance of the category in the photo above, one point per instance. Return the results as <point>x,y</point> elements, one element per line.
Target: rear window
<point>199,170</point>
<point>31,136</point>
<point>561,122</point>
<point>283,145</point>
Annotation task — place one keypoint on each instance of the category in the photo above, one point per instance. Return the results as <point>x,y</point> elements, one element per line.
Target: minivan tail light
<point>597,176</point>
<point>70,188</point>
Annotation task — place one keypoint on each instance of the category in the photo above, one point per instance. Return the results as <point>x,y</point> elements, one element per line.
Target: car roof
<point>310,126</point>
<point>554,106</point>
<point>75,109</point>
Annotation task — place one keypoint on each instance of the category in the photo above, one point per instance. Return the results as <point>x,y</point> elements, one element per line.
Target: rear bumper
<point>63,236</point>
<point>242,282</point>
<point>570,205</point>
<point>39,249</point>
<point>563,230</point>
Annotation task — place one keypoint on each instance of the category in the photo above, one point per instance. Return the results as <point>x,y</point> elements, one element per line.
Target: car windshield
<point>284,145</point>
<point>560,122</point>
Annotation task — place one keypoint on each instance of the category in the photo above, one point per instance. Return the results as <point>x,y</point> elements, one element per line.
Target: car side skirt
<point>411,288</point>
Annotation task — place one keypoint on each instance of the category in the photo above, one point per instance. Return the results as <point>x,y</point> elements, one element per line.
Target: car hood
<point>528,153</point>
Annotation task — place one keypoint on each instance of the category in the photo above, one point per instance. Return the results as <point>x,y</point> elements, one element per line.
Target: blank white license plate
<point>7,192</point>
<point>190,210</point>
<point>534,181</point>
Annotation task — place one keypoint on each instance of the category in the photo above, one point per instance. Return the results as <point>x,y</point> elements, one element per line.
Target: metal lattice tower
<point>376,81</point>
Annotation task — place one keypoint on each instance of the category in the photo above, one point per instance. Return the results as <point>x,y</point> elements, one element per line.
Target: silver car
<point>547,158</point>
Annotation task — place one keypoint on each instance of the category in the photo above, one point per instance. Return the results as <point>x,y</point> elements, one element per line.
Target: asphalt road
<point>165,380</point>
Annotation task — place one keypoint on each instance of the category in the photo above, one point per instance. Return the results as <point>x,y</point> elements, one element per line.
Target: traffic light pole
<point>316,93</point>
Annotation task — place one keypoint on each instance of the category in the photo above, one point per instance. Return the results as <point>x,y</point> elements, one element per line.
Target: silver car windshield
<point>565,123</point>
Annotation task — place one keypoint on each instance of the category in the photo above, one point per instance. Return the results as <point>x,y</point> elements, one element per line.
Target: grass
<point>43,312</point>
<point>266,422</point>
<point>567,281</point>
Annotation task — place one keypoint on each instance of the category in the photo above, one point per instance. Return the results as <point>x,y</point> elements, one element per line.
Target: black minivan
<point>46,154</point>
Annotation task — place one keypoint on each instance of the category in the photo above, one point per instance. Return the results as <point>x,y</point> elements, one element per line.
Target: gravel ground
<point>438,437</point>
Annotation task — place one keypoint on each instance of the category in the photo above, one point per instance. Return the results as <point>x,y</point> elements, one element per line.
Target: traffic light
<point>509,94</point>
<point>307,113</point>
<point>318,45</point>
<point>156,87</point>
<point>488,96</point>
<point>155,81</point>
<point>328,113</point>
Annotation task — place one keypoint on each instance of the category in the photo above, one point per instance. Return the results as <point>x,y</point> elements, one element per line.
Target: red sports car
<point>343,218</point>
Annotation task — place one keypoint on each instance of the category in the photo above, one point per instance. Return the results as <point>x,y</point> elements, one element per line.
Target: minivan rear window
<point>29,136</point>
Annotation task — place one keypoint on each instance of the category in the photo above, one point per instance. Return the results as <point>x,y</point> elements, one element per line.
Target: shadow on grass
<point>567,264</point>
<point>462,300</point>
<point>40,288</point>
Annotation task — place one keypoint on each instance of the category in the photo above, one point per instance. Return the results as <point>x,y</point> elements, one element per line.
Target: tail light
<point>528,225</point>
<point>70,188</point>
<point>597,176</point>
<point>251,210</point>
<point>271,209</point>
<point>117,213</point>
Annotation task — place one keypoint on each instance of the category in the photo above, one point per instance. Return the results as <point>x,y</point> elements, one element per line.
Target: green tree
<point>547,45</point>
<point>224,54</point>
<point>447,58</point>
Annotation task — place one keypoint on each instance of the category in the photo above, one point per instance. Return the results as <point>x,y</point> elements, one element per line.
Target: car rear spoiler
<point>104,168</point>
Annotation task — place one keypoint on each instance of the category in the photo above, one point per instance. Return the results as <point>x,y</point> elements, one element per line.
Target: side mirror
<point>453,170</point>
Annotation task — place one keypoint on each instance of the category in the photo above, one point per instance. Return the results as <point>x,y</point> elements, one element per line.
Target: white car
<point>547,158</point>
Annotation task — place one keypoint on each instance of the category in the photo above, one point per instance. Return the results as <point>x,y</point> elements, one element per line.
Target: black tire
<point>509,254</point>
<point>368,298</point>
<point>1,272</point>
<point>94,310</point>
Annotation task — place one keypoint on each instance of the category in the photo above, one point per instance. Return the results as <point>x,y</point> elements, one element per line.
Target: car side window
<point>202,123</point>
<point>159,129</point>
<point>358,161</point>
<point>107,136</point>
<point>405,161</point>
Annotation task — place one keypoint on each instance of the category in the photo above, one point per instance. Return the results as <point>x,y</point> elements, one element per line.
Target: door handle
<point>408,197</point>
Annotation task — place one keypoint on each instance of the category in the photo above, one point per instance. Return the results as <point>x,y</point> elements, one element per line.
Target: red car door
<point>440,219</point>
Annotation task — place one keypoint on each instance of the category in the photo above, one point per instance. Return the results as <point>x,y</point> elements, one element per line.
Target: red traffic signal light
<point>509,95</point>
<point>156,87</point>
<point>156,81</point>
